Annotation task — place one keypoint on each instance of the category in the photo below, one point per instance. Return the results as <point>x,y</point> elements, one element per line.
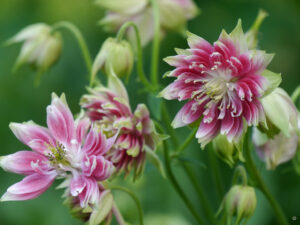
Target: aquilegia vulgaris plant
<point>233,106</point>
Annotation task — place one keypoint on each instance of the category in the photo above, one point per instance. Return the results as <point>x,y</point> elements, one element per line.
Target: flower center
<point>57,155</point>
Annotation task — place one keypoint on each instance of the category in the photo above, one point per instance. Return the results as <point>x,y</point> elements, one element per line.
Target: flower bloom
<point>173,15</point>
<point>66,149</point>
<point>41,47</point>
<point>223,84</point>
<point>109,108</point>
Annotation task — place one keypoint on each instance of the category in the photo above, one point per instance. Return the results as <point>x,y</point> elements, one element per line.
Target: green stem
<point>118,215</point>
<point>177,186</point>
<point>135,199</point>
<point>185,144</point>
<point>81,41</point>
<point>140,67</point>
<point>262,186</point>
<point>240,172</point>
<point>167,120</point>
<point>205,203</point>
<point>296,94</point>
<point>216,172</point>
<point>156,43</point>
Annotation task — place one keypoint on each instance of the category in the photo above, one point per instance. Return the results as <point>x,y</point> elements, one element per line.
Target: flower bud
<point>115,55</point>
<point>227,151</point>
<point>41,47</point>
<point>281,113</point>
<point>239,202</point>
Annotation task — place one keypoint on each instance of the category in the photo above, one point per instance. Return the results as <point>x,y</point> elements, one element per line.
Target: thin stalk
<point>202,198</point>
<point>118,215</point>
<point>135,199</point>
<point>185,144</point>
<point>240,172</point>
<point>262,186</point>
<point>167,120</point>
<point>216,173</point>
<point>155,44</point>
<point>81,42</point>
<point>139,67</point>
<point>177,187</point>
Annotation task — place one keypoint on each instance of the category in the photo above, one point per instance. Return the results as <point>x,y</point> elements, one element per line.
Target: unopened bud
<point>114,55</point>
<point>239,202</point>
<point>41,47</point>
<point>227,151</point>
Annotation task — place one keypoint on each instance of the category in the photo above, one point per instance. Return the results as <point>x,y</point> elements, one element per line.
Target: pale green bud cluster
<point>114,55</point>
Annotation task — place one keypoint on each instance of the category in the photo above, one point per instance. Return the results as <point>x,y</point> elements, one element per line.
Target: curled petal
<point>30,187</point>
<point>98,167</point>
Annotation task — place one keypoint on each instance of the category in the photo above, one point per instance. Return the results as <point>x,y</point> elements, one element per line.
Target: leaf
<point>274,80</point>
<point>155,160</point>
<point>155,104</point>
<point>102,209</point>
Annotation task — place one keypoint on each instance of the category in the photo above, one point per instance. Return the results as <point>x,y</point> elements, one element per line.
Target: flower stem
<point>118,215</point>
<point>262,186</point>
<point>135,199</point>
<point>205,203</point>
<point>216,173</point>
<point>81,41</point>
<point>156,43</point>
<point>140,67</point>
<point>177,186</point>
<point>185,144</point>
<point>240,172</point>
<point>167,120</point>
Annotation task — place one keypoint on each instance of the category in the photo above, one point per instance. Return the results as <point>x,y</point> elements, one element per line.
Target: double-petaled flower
<point>68,149</point>
<point>173,15</point>
<point>223,84</point>
<point>109,109</point>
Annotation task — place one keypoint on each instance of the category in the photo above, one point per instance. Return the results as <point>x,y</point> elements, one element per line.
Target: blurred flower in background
<point>173,15</point>
<point>41,47</point>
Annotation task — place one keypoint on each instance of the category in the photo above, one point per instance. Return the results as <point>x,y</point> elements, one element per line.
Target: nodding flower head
<point>223,84</point>
<point>68,149</point>
<point>173,15</point>
<point>109,108</point>
<point>41,48</point>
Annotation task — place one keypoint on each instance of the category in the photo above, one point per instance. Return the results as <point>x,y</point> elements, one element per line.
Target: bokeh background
<point>21,101</point>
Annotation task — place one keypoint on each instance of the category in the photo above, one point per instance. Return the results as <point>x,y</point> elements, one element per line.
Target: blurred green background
<point>21,101</point>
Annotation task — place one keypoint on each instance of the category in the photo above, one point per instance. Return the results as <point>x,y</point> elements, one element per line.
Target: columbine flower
<point>41,47</point>
<point>109,108</point>
<point>66,149</point>
<point>173,15</point>
<point>223,84</point>
<point>279,143</point>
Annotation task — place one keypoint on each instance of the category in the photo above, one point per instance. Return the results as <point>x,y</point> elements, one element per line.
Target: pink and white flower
<point>223,84</point>
<point>109,108</point>
<point>68,149</point>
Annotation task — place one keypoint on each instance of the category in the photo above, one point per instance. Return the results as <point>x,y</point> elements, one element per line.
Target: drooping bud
<point>41,47</point>
<point>251,34</point>
<point>281,113</point>
<point>227,151</point>
<point>239,202</point>
<point>115,55</point>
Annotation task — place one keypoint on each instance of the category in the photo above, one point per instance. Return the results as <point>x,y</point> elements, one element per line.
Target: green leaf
<point>155,104</point>
<point>274,80</point>
<point>155,160</point>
